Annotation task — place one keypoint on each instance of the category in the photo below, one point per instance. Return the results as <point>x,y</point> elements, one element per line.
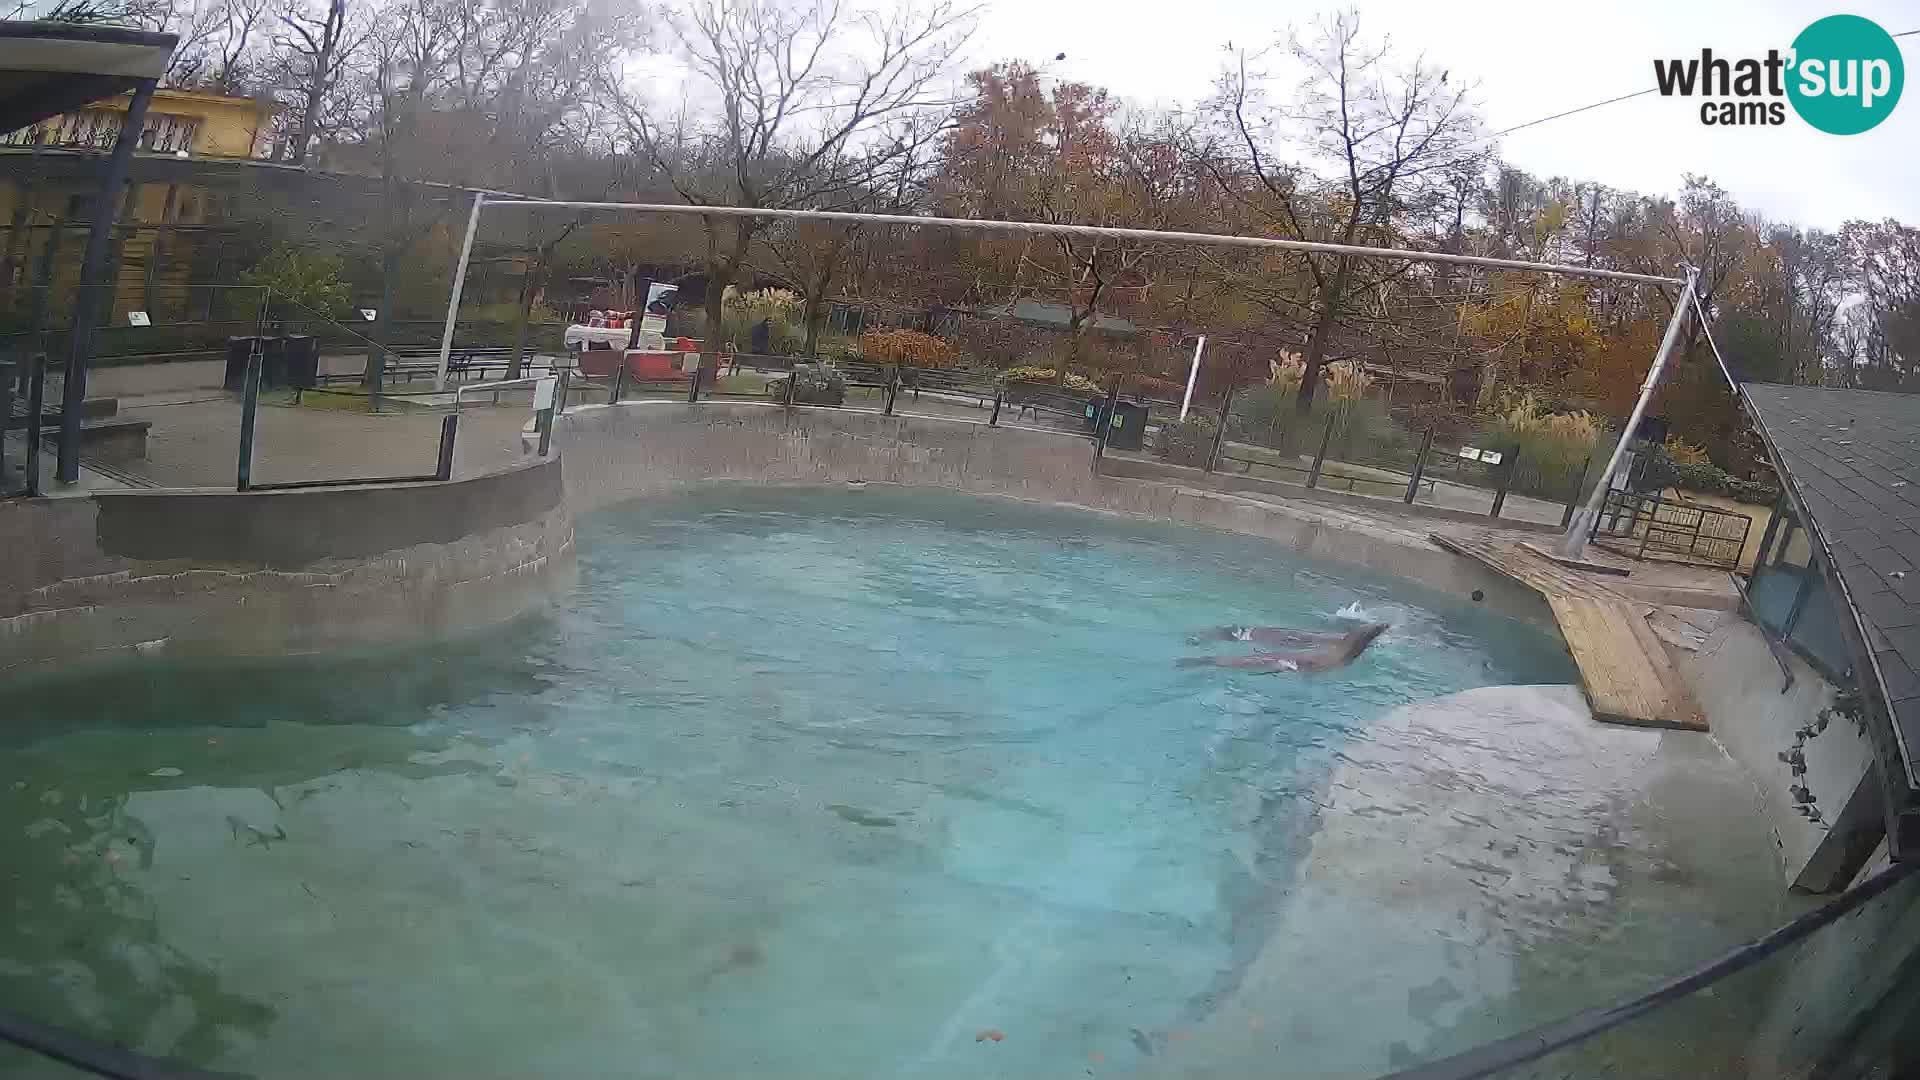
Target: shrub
<point>1707,478</point>
<point>1554,448</point>
<point>818,384</point>
<point>1149,386</point>
<point>1363,431</point>
<point>300,283</point>
<point>781,309</point>
<point>1189,441</point>
<point>1685,453</point>
<point>1049,375</point>
<point>909,347</point>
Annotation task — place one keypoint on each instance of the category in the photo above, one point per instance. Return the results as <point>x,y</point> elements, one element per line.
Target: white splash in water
<point>1356,612</point>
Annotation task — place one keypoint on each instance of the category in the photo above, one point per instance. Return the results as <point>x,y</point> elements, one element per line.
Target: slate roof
<point>1852,457</point>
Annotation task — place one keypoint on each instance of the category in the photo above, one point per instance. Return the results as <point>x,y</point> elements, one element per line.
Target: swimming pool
<point>810,782</point>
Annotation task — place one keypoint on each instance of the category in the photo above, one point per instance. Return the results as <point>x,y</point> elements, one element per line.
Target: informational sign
<point>369,314</point>
<point>1469,453</point>
<point>1490,457</point>
<point>543,394</point>
<point>689,361</point>
<point>138,318</point>
<point>659,301</point>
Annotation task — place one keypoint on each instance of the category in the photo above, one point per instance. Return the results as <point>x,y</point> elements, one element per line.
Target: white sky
<point>1531,60</point>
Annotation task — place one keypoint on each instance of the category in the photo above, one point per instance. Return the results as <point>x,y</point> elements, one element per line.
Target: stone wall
<point>647,448</point>
<point>264,573</point>
<point>1739,683</point>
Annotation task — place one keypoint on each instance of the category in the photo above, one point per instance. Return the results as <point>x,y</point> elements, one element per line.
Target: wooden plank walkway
<point>1624,667</point>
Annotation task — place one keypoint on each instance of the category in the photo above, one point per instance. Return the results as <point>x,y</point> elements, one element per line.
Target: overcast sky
<point>1531,60</point>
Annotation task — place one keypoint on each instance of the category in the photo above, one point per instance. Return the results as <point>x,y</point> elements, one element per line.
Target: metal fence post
<point>1511,462</point>
<point>1103,422</point>
<point>1220,433</point>
<point>560,391</point>
<point>1419,467</point>
<point>543,423</point>
<point>793,377</point>
<point>1579,489</point>
<point>36,400</point>
<point>249,405</point>
<point>619,383</point>
<point>893,388</point>
<point>1326,440</point>
<point>699,369</point>
<point>449,428</point>
<point>999,393</point>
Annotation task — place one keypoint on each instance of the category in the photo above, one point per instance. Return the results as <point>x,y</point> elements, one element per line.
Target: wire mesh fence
<point>266,392</point>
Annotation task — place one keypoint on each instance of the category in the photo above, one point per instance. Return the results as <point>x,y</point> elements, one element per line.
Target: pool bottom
<point>833,787</point>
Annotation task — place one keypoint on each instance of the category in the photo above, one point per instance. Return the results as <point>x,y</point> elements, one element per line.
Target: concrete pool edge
<point>180,572</point>
<point>636,449</point>
<point>118,574</point>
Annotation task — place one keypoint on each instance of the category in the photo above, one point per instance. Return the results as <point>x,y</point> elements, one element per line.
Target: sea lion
<point>1279,636</point>
<point>1326,657</point>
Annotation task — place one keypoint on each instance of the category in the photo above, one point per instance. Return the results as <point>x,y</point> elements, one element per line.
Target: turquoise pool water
<point>803,783</point>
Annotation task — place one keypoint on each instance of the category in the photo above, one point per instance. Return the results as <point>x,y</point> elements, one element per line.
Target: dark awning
<point>1850,462</point>
<point>48,68</point>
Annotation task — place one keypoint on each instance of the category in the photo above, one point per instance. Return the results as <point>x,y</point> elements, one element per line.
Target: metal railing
<point>1643,525</point>
<point>1433,474</point>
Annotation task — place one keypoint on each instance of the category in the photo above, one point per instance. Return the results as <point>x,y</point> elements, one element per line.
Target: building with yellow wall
<point>46,191</point>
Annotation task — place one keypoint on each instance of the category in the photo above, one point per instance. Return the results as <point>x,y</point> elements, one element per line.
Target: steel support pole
<point>249,408</point>
<point>1574,544</point>
<point>1419,467</point>
<point>1193,374</point>
<point>73,392</point>
<point>1508,465</point>
<point>1220,433</point>
<point>459,285</point>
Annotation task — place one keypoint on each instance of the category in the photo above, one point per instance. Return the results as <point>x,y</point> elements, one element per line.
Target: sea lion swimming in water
<point>1280,636</point>
<point>1329,655</point>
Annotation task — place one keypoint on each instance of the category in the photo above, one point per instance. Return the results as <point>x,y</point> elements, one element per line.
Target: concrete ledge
<point>262,573</point>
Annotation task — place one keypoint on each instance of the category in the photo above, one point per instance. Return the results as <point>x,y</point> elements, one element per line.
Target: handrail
<point>460,389</point>
<point>1490,1059</point>
<point>92,1055</point>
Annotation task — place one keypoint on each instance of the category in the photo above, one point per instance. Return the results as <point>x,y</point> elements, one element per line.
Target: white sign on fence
<point>543,394</point>
<point>138,318</point>
<point>369,314</point>
<point>1469,453</point>
<point>1490,457</point>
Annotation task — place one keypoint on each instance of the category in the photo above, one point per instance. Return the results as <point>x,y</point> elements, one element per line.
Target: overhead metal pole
<point>459,286</point>
<point>86,305</point>
<point>1193,373</point>
<point>1053,229</point>
<point>1574,544</point>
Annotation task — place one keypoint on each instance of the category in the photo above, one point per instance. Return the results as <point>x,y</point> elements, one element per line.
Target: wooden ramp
<point>1624,667</point>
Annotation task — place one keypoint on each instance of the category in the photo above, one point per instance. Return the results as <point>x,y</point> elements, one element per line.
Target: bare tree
<point>1375,137</point>
<point>803,92</point>
<point>314,49</point>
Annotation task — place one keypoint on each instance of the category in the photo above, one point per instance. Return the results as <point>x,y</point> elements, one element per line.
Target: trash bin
<point>239,349</point>
<point>1127,430</point>
<point>303,361</point>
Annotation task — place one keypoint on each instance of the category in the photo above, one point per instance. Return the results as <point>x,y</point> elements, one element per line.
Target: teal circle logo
<point>1847,74</point>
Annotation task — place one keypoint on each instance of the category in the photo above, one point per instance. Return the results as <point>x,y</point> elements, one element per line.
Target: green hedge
<point>1711,479</point>
<point>1189,441</point>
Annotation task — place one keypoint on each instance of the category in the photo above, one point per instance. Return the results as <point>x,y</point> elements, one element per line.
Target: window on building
<point>97,129</point>
<point>1790,597</point>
